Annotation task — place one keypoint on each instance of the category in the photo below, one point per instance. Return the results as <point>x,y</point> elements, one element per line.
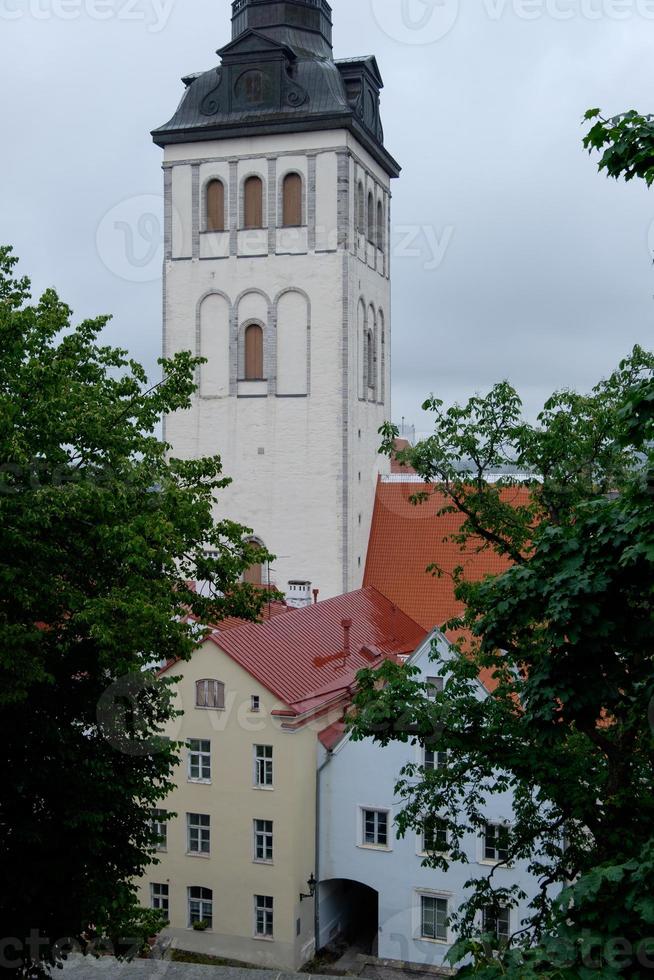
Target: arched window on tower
<point>253,203</point>
<point>368,362</point>
<point>292,201</point>
<point>254,575</point>
<point>361,210</point>
<point>380,225</point>
<point>215,205</point>
<point>254,353</point>
<point>371,218</point>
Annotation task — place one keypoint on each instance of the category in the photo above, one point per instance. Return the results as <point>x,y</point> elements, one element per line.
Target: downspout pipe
<point>316,904</point>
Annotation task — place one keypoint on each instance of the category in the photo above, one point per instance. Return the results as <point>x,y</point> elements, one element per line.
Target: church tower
<point>277,271</point>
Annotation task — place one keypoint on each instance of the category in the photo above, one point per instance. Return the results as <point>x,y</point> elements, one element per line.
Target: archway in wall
<point>349,915</point>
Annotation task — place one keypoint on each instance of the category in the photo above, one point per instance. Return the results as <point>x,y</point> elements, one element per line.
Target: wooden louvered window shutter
<point>253,208</point>
<point>254,353</point>
<point>215,206</point>
<point>292,207</point>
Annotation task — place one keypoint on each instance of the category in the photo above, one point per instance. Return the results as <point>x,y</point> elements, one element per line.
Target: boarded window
<point>215,205</point>
<point>292,205</point>
<point>380,225</point>
<point>253,206</point>
<point>254,353</point>
<point>254,574</point>
<point>371,217</point>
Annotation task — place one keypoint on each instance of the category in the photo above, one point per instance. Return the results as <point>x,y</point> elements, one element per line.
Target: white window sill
<point>490,863</point>
<point>434,942</point>
<point>197,854</point>
<point>264,939</point>
<point>206,707</point>
<point>430,854</point>
<point>375,847</point>
<point>199,782</point>
<point>266,789</point>
<point>270,864</point>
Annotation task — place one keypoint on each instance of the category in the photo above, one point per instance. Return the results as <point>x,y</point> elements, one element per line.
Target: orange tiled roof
<point>405,539</point>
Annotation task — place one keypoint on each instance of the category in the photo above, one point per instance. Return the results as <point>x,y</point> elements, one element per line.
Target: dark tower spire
<point>302,24</point>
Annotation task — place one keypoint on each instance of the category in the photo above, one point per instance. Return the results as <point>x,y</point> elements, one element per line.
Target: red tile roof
<point>406,538</point>
<point>396,466</point>
<point>301,657</point>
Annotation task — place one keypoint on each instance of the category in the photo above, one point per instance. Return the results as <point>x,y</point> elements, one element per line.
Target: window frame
<point>504,916</point>
<point>255,703</point>
<point>264,840</point>
<point>433,851</point>
<point>160,828</point>
<point>201,755</point>
<point>207,210</point>
<point>201,826</point>
<point>219,689</point>
<point>260,353</point>
<point>292,174</point>
<point>498,828</point>
<point>435,684</point>
<point>376,812</point>
<point>249,181</point>
<point>439,759</point>
<point>264,905</point>
<point>203,901</point>
<point>372,219</point>
<point>263,764</point>
<point>421,934</point>
<point>380,225</point>
<point>161,898</point>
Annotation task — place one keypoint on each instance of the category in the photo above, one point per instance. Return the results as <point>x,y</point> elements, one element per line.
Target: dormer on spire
<point>303,24</point>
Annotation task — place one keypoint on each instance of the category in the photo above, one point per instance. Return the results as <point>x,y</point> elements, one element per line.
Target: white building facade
<point>277,271</point>
<point>374,887</point>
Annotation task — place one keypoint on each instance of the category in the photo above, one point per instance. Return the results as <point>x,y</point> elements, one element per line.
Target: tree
<point>100,534</point>
<point>626,142</point>
<point>567,632</point>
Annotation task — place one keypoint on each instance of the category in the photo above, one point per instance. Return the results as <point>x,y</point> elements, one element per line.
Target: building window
<point>253,203</point>
<point>199,760</point>
<point>292,201</point>
<point>380,225</point>
<point>435,685</point>
<point>369,360</point>
<point>198,826</point>
<point>159,897</point>
<point>371,218</point>
<point>254,353</point>
<point>215,205</point>
<point>434,760</point>
<point>497,922</point>
<point>254,574</point>
<point>263,765</point>
<point>361,210</point>
<point>209,694</point>
<point>263,840</point>
<point>496,842</point>
<point>255,702</point>
<point>434,836</point>
<point>433,918</point>
<point>375,828</point>
<point>159,829</point>
<point>200,906</point>
<point>263,916</point>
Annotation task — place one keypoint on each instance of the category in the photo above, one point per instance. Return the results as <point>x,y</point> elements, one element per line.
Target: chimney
<point>347,626</point>
<point>316,593</point>
<point>299,594</point>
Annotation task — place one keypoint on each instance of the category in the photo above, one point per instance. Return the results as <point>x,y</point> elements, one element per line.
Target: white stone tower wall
<point>300,447</point>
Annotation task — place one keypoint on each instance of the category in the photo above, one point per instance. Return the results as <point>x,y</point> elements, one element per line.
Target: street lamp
<point>312,888</point>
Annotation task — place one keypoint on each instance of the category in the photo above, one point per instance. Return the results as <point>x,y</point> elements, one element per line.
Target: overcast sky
<point>513,257</point>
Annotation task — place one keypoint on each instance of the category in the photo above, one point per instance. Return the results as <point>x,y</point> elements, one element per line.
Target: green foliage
<point>566,634</point>
<point>100,533</point>
<point>626,142</point>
